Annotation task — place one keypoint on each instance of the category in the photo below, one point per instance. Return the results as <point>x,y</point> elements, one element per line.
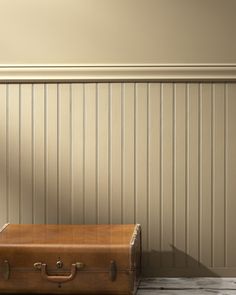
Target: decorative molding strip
<point>89,73</point>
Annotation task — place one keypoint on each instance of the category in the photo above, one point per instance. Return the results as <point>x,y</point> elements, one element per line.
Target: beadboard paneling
<point>159,154</point>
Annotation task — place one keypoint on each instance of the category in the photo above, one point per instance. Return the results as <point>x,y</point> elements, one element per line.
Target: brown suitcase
<point>58,259</point>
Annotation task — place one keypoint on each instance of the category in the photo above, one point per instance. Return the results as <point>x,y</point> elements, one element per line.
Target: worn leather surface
<point>34,234</point>
<point>95,246</point>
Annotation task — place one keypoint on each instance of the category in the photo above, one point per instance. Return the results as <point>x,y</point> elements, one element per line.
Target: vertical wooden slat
<point>193,170</point>
<point>26,153</point>
<point>103,146</point>
<point>39,153</point>
<point>206,181</point>
<point>219,146</point>
<point>141,161</point>
<point>90,154</point>
<point>14,153</point>
<point>187,174</point>
<point>154,174</point>
<point>3,155</point>
<point>167,256</point>
<point>161,174</point>
<point>64,154</point>
<point>225,171</point>
<point>52,154</point>
<point>231,175</point>
<point>180,175</point>
<point>115,167</point>
<point>77,154</point>
<point>128,153</point>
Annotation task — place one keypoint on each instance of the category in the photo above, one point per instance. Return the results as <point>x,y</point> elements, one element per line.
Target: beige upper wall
<point>117,31</point>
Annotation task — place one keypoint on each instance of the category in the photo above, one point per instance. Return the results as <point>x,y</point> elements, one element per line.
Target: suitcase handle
<point>58,279</point>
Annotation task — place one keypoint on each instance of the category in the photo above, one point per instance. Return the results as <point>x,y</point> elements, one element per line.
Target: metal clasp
<point>38,265</point>
<point>79,265</point>
<point>59,264</point>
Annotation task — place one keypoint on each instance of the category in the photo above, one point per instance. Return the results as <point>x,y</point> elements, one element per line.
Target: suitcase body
<point>63,259</point>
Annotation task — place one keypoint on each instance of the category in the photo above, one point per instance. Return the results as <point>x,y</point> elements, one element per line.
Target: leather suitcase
<point>59,259</point>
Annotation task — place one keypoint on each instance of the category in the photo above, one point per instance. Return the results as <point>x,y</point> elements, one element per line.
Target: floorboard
<point>187,286</point>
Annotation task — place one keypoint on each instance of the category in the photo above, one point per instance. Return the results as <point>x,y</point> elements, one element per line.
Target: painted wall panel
<point>26,154</point>
<point>231,173</point>
<point>64,153</point>
<point>141,161</point>
<point>77,153</point>
<point>3,154</point>
<point>51,153</point>
<point>128,153</point>
<point>206,175</point>
<point>180,170</point>
<point>193,174</point>
<point>167,256</point>
<point>218,151</point>
<point>117,32</point>
<point>90,200</point>
<point>115,141</point>
<point>14,129</point>
<point>161,154</point>
<point>103,153</point>
<point>154,165</point>
<point>39,166</point>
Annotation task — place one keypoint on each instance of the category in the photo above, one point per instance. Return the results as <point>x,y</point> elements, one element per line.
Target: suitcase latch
<point>59,264</point>
<point>113,270</point>
<point>38,265</point>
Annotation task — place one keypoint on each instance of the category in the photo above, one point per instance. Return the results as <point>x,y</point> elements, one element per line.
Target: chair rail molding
<point>117,72</point>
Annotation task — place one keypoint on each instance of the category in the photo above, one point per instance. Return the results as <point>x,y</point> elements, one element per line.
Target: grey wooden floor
<point>187,286</point>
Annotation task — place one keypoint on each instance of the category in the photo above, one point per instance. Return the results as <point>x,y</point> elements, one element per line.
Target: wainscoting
<point>159,154</point>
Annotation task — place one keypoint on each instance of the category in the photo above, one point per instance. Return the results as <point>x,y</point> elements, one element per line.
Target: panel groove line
<point>212,170</point>
<point>70,158</point>
<point>45,155</point>
<point>109,152</point>
<point>148,176</point>
<point>84,136</point>
<point>20,134</point>
<point>7,153</point>
<point>96,189</point>
<point>199,169</point>
<point>3,154</point>
<point>58,150</point>
<point>174,173</point>
<point>135,135</point>
<point>32,151</point>
<point>187,174</point>
<point>122,152</point>
<point>225,174</point>
<point>157,153</point>
<point>161,174</point>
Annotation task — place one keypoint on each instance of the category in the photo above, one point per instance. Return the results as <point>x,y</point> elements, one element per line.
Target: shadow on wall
<point>175,263</point>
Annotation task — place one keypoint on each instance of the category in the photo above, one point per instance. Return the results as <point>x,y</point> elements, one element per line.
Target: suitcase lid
<point>77,235</point>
